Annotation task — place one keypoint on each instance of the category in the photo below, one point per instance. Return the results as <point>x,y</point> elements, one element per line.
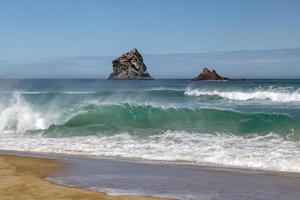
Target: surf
<point>269,94</point>
<point>270,152</point>
<point>163,121</point>
<point>93,117</point>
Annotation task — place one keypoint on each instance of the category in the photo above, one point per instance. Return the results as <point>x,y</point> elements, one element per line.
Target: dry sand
<point>23,178</point>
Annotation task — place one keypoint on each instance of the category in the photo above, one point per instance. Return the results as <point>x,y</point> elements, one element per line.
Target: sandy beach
<point>24,178</point>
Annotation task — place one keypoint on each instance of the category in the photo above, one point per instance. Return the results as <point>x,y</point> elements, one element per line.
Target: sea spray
<point>19,116</point>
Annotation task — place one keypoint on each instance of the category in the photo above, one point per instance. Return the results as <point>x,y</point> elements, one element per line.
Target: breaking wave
<point>20,116</point>
<point>92,117</point>
<point>272,94</point>
<point>206,123</point>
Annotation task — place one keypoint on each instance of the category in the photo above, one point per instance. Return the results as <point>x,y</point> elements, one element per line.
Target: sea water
<point>245,124</point>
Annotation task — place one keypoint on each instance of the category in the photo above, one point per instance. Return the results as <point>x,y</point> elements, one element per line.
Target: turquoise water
<point>248,124</point>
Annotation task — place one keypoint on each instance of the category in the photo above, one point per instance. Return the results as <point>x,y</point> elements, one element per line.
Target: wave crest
<point>255,94</point>
<point>93,117</point>
<point>148,120</point>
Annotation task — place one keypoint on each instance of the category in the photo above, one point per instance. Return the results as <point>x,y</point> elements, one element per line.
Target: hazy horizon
<point>251,64</point>
<point>79,39</point>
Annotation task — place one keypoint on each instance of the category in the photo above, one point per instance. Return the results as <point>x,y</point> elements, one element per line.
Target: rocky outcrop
<point>206,74</point>
<point>130,66</point>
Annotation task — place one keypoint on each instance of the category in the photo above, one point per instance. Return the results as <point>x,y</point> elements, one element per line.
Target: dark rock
<point>130,66</point>
<point>206,74</point>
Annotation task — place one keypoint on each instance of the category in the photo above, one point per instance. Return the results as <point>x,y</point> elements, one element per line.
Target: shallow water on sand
<point>181,182</point>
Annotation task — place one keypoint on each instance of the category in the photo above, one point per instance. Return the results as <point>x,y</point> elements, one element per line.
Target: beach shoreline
<point>198,166</point>
<point>24,177</point>
<point>96,178</point>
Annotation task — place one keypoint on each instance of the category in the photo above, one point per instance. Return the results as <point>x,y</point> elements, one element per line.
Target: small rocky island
<point>206,74</point>
<point>130,66</point>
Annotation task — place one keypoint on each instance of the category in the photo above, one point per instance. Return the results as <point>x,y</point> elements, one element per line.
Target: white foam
<point>76,92</point>
<point>19,116</point>
<point>256,94</point>
<point>270,152</point>
<point>164,89</point>
<point>131,101</point>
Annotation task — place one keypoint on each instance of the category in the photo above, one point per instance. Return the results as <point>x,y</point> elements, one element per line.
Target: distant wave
<point>164,89</point>
<point>272,94</point>
<point>46,92</point>
<point>155,90</point>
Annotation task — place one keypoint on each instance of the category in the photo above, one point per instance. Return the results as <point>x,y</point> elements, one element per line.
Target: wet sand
<point>23,178</point>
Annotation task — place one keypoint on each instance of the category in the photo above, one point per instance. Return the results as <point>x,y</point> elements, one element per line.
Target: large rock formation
<point>130,66</point>
<point>206,74</point>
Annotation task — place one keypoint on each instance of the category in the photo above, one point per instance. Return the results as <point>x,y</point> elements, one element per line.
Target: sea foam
<point>19,116</point>
<point>254,94</point>
<point>270,152</point>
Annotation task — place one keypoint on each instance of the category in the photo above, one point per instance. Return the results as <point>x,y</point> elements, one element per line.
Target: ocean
<point>252,124</point>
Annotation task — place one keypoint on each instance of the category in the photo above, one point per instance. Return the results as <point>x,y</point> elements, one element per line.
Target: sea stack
<point>130,66</point>
<point>206,74</point>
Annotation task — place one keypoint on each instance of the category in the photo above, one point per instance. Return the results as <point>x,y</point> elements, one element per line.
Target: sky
<point>78,39</point>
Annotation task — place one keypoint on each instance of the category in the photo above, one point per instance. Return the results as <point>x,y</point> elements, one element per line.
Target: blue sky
<point>48,39</point>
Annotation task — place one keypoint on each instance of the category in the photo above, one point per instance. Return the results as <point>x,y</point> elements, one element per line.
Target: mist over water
<point>248,124</point>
